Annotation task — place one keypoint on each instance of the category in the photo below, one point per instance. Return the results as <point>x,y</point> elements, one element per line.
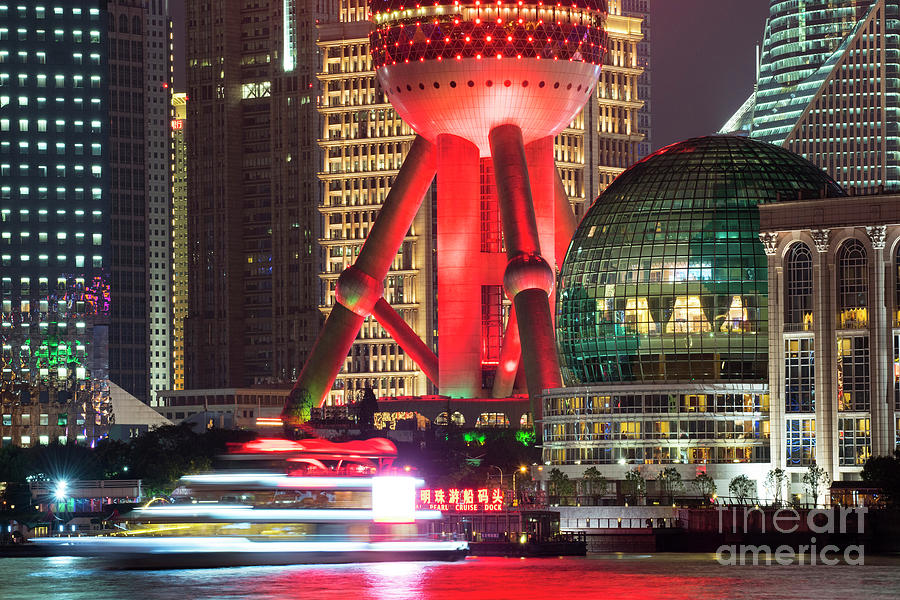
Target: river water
<point>622,577</point>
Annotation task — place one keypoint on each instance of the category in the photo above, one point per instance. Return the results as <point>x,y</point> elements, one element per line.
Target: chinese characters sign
<point>461,500</point>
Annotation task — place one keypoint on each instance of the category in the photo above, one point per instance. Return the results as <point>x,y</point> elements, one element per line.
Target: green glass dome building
<point>665,279</point>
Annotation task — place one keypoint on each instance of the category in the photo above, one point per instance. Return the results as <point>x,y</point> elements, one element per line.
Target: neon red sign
<point>177,124</point>
<point>460,500</point>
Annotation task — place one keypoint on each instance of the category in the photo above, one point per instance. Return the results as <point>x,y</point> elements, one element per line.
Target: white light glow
<point>59,492</point>
<point>394,499</point>
<point>241,513</point>
<point>222,544</point>
<point>285,482</point>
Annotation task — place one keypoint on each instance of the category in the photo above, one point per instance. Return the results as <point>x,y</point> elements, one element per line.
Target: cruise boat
<point>277,502</point>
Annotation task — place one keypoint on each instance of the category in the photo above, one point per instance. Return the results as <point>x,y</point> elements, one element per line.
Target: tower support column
<point>462,269</point>
<point>528,278</point>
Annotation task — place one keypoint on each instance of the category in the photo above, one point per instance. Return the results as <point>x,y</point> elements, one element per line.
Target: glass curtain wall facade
<point>663,314</point>
<point>54,219</point>
<point>828,88</point>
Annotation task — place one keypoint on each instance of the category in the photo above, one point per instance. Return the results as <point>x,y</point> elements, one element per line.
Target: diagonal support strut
<point>360,286</point>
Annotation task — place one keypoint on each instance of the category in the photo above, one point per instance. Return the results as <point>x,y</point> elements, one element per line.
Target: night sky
<point>702,62</point>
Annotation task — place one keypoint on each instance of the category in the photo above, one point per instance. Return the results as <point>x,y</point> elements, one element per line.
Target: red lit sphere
<point>463,68</point>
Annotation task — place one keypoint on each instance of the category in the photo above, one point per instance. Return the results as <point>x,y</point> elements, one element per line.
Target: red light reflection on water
<point>497,579</point>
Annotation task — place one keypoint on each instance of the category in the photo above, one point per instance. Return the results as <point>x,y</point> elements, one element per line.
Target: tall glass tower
<point>85,229</point>
<point>828,86</point>
<point>54,206</point>
<point>802,42</point>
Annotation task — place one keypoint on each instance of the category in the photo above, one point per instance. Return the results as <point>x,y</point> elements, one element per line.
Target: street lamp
<point>499,470</point>
<point>59,494</point>
<point>522,469</point>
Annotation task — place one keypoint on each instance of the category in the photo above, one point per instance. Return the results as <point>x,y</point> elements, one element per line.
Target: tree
<point>636,485</point>
<point>560,485</point>
<point>741,488</point>
<point>776,481</point>
<point>705,485</point>
<point>814,477</point>
<point>297,410</point>
<point>670,483</point>
<point>368,406</point>
<point>597,484</point>
<point>884,471</point>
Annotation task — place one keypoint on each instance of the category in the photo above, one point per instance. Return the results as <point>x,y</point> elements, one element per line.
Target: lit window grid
<point>361,157</point>
<point>854,387</point>
<point>854,441</point>
<point>696,242</point>
<point>555,454</point>
<point>800,442</point>
<point>799,375</point>
<point>723,429</point>
<point>598,402</point>
<point>55,244</point>
<point>593,426</point>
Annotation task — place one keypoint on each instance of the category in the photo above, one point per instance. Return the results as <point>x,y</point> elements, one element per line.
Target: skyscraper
<point>825,86</point>
<point>641,10</point>
<point>364,142</point>
<point>607,136</point>
<point>179,240</point>
<point>54,204</point>
<point>84,160</point>
<point>140,109</point>
<point>251,133</point>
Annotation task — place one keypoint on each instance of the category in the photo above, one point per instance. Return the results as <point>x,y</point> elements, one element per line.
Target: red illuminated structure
<point>486,86</point>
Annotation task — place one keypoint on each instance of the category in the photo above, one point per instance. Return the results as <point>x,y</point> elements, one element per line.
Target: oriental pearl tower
<point>486,86</point>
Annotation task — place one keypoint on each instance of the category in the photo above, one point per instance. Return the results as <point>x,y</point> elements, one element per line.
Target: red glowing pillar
<point>361,286</point>
<point>460,267</point>
<point>528,278</point>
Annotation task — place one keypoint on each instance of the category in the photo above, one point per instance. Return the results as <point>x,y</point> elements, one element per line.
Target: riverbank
<point>671,529</point>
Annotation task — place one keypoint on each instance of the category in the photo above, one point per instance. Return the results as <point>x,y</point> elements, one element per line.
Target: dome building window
<point>662,315</point>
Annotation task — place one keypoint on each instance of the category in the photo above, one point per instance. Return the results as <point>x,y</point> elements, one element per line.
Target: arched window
<point>798,288</point>
<point>123,23</point>
<point>491,420</point>
<point>136,25</point>
<point>442,419</point>
<point>853,285</point>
